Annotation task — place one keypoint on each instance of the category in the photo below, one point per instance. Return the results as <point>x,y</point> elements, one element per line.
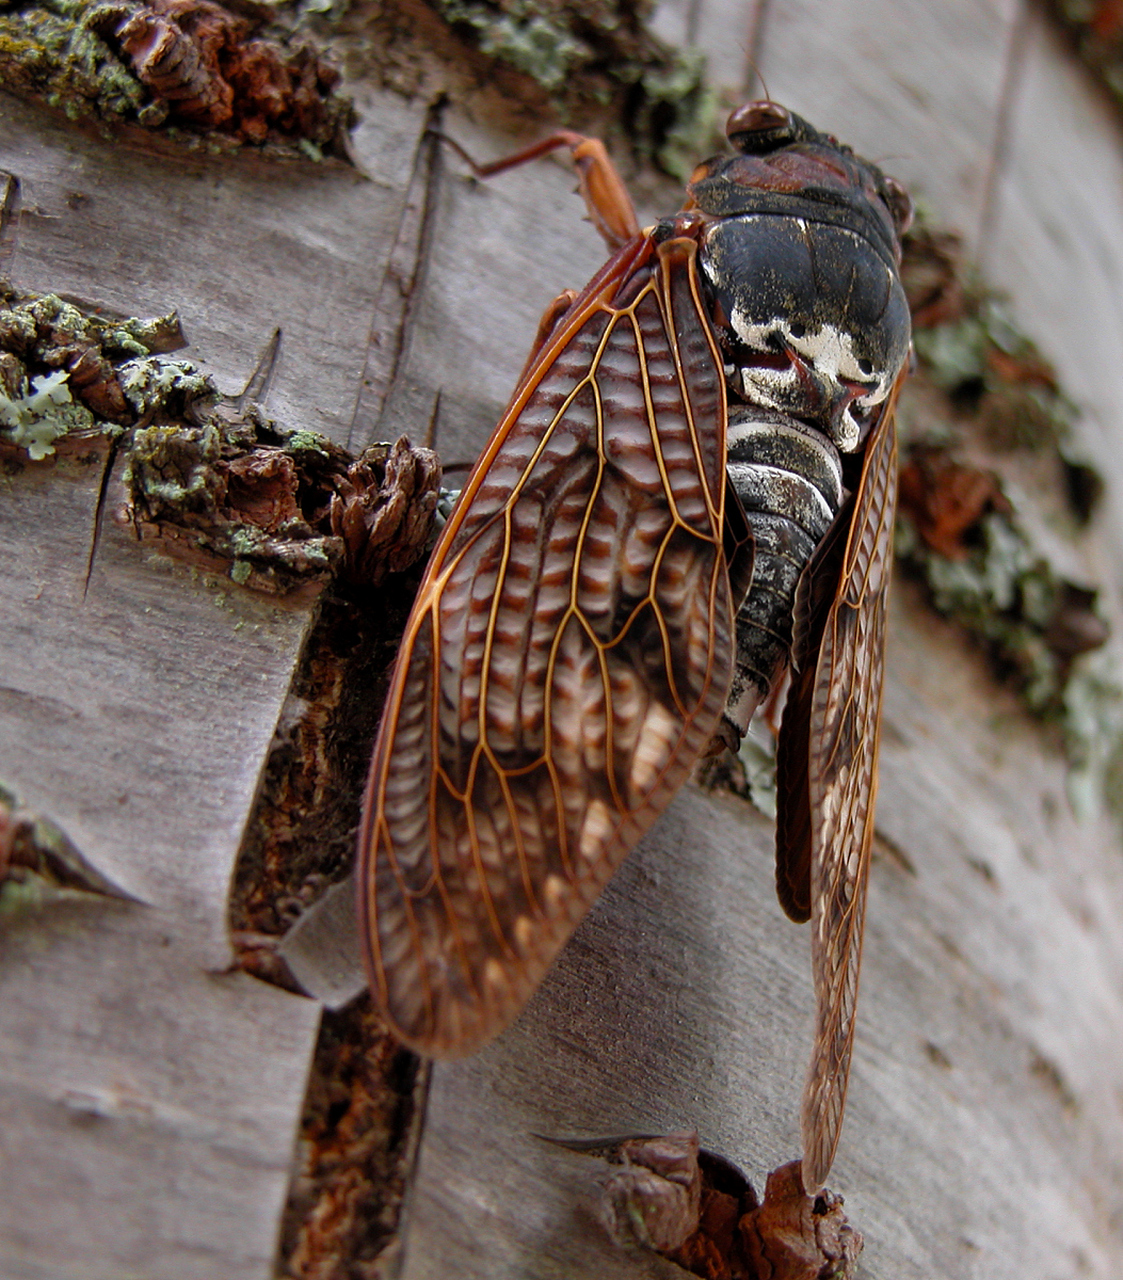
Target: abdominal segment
<point>788,477</point>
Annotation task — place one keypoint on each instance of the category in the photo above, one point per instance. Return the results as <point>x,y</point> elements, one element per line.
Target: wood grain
<point>148,1102</point>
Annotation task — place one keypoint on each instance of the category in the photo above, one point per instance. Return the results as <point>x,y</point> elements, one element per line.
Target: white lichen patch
<point>150,380</point>
<point>43,413</point>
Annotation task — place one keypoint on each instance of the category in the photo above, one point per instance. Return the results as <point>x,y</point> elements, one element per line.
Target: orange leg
<point>549,322</point>
<point>610,207</point>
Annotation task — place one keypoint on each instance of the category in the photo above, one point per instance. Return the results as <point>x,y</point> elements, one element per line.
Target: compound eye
<point>759,126</point>
<point>899,203</point>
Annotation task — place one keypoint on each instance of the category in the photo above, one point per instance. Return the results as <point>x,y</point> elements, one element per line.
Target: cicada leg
<point>606,198</point>
<point>551,318</point>
<point>610,207</point>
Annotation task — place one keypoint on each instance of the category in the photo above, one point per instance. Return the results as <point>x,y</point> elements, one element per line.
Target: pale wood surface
<point>916,87</point>
<point>240,248</point>
<point>1055,249</point>
<point>149,1104</point>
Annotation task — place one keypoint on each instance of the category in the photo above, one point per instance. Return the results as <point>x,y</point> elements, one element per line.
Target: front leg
<point>610,207</point>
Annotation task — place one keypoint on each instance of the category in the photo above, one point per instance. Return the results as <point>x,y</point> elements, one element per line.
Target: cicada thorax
<point>799,258</point>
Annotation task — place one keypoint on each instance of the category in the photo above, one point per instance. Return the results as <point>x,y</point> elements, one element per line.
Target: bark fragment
<point>699,1210</point>
<point>198,67</point>
<point>39,863</point>
<point>357,1141</point>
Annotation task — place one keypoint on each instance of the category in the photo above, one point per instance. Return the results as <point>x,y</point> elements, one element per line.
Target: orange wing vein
<point>566,661</point>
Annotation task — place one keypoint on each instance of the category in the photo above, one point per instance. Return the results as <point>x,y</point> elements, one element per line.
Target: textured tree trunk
<point>150,1098</point>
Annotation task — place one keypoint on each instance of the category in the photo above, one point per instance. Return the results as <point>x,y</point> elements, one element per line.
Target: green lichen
<point>62,370</point>
<point>599,54</point>
<point>969,346</point>
<point>678,111</point>
<point>237,78</point>
<point>1096,32</point>
<point>1091,718</point>
<point>137,336</point>
<point>232,488</point>
<point>31,325</point>
<point>24,893</point>
<point>44,412</point>
<point>48,52</point>
<point>1005,592</point>
<point>531,41</point>
<point>40,864</point>
<point>37,322</point>
<point>984,362</point>
<point>304,442</point>
<point>18,331</point>
<point>992,575</point>
<point>154,382</point>
<point>171,467</point>
<point>1042,631</point>
<point>295,549</point>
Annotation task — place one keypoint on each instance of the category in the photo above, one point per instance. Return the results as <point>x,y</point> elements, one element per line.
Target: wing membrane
<point>565,663</point>
<point>842,698</point>
<point>815,596</point>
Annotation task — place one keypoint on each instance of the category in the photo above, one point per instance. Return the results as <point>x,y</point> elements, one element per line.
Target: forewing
<point>843,727</point>
<point>566,661</point>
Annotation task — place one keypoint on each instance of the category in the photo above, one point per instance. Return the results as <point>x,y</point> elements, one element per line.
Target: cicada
<point>689,499</point>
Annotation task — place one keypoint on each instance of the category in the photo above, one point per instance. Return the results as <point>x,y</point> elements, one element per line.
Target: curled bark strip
<point>385,521</point>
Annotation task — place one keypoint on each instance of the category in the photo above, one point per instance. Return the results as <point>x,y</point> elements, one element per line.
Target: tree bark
<point>149,1099</point>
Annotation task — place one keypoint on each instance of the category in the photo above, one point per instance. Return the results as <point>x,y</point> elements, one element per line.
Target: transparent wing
<point>843,724</point>
<point>566,661</point>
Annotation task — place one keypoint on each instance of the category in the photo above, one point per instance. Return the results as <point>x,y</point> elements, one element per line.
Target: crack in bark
<point>401,288</point>
<point>1009,94</point>
<point>261,377</point>
<point>99,510</point>
<point>9,217</point>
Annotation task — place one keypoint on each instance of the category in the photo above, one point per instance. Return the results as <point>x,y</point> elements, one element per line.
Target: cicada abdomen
<point>788,478</point>
<point>691,492</point>
<point>800,263</point>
